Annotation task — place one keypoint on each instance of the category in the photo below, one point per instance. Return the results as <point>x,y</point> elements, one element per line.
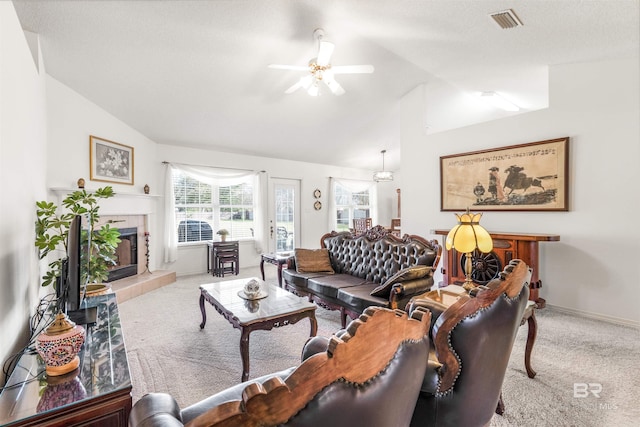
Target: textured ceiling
<point>194,73</point>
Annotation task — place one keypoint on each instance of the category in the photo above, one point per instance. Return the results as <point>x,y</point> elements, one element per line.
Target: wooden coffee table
<point>278,308</point>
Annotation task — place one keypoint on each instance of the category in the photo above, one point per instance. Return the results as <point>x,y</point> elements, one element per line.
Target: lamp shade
<point>383,175</point>
<point>469,235</point>
<point>380,176</point>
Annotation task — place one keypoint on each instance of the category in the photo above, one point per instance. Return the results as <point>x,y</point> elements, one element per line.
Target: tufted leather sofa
<point>363,263</point>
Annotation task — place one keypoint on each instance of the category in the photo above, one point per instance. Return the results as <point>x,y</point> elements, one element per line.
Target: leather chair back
<point>473,339</point>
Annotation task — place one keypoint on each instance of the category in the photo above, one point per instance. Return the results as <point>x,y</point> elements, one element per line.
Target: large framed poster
<point>524,177</point>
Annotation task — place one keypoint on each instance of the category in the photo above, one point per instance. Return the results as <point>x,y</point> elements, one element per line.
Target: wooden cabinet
<point>506,246</point>
<point>98,393</point>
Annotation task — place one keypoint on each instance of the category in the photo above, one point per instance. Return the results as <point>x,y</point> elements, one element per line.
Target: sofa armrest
<point>401,293</point>
<point>291,262</point>
<point>411,287</point>
<point>314,346</point>
<point>155,410</point>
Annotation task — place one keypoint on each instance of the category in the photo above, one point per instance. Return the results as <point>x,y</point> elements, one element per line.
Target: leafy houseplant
<point>52,230</point>
<point>223,233</point>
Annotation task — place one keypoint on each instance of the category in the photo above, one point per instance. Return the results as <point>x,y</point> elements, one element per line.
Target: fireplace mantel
<point>122,203</point>
<point>66,190</point>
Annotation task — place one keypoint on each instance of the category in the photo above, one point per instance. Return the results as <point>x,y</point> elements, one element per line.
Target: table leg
<point>244,353</point>
<point>532,324</point>
<point>204,313</point>
<point>279,274</point>
<point>314,325</point>
<point>262,266</point>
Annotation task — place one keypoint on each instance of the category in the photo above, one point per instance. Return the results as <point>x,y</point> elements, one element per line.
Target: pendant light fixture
<point>383,176</point>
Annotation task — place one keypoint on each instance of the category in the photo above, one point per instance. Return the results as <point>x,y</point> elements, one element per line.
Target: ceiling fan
<point>321,70</point>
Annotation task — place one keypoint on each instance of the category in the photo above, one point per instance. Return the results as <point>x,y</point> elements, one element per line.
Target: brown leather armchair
<point>471,344</point>
<point>369,375</point>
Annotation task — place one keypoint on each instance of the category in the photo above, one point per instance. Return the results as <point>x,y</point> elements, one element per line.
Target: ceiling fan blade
<point>288,67</point>
<point>304,82</point>
<point>352,69</point>
<point>324,53</point>
<point>333,85</point>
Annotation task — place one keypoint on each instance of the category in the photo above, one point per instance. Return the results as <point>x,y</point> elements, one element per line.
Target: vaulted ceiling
<point>194,73</point>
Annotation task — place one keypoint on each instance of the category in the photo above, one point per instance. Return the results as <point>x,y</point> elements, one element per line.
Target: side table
<point>223,257</point>
<point>279,260</point>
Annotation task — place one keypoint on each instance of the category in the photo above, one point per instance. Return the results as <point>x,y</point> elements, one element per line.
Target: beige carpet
<point>169,353</point>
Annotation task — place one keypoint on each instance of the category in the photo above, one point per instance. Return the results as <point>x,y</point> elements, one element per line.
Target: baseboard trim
<point>597,316</point>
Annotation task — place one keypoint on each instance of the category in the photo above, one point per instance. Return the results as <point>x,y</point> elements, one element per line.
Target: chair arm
<point>434,307</point>
<point>155,410</point>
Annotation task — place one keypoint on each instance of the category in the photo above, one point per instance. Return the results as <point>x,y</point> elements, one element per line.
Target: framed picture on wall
<point>110,161</point>
<point>525,177</point>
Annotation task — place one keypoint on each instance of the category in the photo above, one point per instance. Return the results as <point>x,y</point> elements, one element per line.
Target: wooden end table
<point>279,308</point>
<point>279,260</point>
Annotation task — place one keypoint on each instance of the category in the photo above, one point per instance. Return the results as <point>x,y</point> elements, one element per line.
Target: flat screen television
<point>74,273</point>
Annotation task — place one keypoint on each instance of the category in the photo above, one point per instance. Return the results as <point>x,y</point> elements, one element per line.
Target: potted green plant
<point>52,230</point>
<point>223,233</point>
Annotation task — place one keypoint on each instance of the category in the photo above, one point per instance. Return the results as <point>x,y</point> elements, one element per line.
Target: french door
<point>284,215</point>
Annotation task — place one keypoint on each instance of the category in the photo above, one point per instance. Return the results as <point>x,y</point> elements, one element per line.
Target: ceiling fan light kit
<point>321,70</point>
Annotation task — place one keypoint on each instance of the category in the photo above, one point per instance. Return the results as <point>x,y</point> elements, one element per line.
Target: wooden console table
<point>98,393</point>
<point>506,246</point>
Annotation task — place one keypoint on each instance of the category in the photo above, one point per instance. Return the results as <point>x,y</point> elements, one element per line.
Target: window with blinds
<point>350,205</point>
<point>202,209</point>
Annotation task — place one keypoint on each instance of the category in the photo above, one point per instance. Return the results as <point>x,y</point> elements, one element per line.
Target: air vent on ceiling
<point>506,19</point>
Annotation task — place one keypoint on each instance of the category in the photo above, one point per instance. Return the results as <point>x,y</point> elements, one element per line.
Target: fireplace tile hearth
<point>133,286</point>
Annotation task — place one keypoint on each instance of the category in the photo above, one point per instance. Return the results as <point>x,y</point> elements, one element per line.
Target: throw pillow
<point>313,261</point>
<point>409,273</point>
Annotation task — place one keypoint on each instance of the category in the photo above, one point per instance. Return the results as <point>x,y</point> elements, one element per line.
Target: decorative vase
<point>223,237</point>
<point>252,288</point>
<point>59,345</point>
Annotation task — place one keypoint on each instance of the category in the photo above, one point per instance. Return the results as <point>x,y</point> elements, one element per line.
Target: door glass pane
<point>284,218</point>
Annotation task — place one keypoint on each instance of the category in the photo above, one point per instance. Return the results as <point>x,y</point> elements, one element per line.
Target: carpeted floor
<point>168,352</point>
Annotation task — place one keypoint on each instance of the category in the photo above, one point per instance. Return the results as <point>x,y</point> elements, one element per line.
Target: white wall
<point>591,269</point>
<point>72,119</point>
<point>22,179</point>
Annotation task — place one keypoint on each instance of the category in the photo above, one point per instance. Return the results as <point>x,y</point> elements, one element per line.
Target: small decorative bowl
<point>252,288</point>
